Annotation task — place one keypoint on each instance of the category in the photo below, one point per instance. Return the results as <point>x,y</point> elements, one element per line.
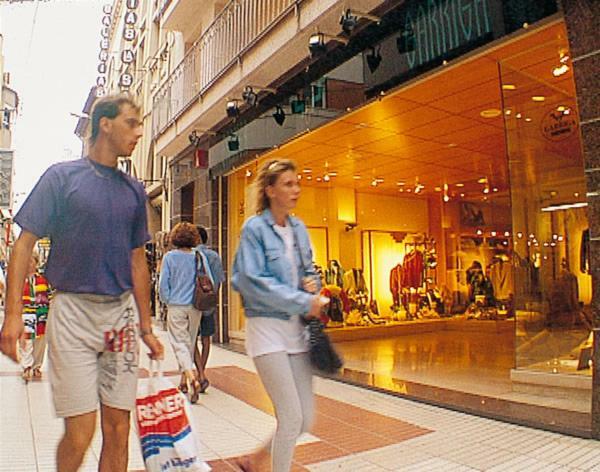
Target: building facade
<point>448,156</point>
<point>9,103</point>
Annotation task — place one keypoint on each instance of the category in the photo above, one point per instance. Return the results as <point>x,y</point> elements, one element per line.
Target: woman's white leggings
<point>287,378</point>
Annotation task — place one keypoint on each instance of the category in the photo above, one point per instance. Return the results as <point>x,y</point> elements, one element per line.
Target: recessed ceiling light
<point>495,189</point>
<point>400,183</point>
<point>319,179</point>
<point>508,111</point>
<point>452,145</point>
<point>538,98</point>
<point>326,178</point>
<point>308,177</point>
<point>356,177</point>
<point>560,70</point>
<point>519,116</point>
<point>462,195</point>
<point>528,120</point>
<point>509,87</point>
<point>561,108</point>
<point>460,185</point>
<point>438,189</point>
<point>333,173</point>
<point>490,113</point>
<point>307,171</point>
<point>482,180</point>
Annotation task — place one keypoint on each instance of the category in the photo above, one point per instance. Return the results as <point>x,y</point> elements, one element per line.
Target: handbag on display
<point>205,296</point>
<point>322,354</point>
<point>163,424</point>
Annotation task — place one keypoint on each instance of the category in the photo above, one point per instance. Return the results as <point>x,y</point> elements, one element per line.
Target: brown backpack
<point>205,297</point>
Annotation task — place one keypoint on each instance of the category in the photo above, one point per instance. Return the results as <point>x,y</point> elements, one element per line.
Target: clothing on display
<point>354,282</point>
<point>584,252</point>
<point>501,277</point>
<point>334,274</point>
<point>396,283</point>
<point>413,265</point>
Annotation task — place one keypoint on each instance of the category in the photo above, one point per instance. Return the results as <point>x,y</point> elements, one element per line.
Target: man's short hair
<point>203,234</point>
<point>109,107</point>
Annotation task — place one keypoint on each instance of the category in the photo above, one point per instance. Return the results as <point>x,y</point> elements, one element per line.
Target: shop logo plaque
<point>559,125</point>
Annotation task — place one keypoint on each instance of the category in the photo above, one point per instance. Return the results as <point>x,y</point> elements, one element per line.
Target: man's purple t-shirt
<point>95,216</point>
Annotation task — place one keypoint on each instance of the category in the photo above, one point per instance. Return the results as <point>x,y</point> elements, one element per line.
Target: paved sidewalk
<point>356,429</point>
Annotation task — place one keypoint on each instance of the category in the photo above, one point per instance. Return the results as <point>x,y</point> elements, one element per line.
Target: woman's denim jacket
<point>262,273</point>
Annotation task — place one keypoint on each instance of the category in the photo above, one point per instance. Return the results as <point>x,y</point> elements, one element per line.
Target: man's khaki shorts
<point>93,352</point>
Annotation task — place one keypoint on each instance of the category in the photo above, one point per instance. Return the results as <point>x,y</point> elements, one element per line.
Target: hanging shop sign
<point>558,125</point>
<point>129,34</point>
<point>101,80</point>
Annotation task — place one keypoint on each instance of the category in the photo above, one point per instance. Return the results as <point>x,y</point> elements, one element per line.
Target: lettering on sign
<point>102,68</point>
<point>127,56</point>
<point>132,4</point>
<point>559,125</point>
<point>103,56</point>
<point>436,27</point>
<point>107,9</point>
<point>126,80</point>
<point>106,20</point>
<point>104,44</point>
<point>130,18</point>
<point>129,34</point>
<point>104,32</point>
<point>101,81</point>
<point>100,92</point>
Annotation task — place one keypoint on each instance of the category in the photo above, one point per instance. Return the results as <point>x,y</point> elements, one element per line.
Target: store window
<point>549,212</point>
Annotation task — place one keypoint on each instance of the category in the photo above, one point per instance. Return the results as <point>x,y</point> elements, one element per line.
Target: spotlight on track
<point>317,43</point>
<point>350,17</point>
<point>249,95</point>
<point>232,108</point>
<point>373,59</point>
<point>279,115</point>
<point>233,144</point>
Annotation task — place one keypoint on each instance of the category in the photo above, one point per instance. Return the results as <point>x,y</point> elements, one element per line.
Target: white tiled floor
<point>228,427</point>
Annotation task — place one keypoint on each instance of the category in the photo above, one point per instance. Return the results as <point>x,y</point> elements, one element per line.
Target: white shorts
<point>93,352</point>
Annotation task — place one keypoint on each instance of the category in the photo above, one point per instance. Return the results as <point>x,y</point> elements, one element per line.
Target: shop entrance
<point>420,206</point>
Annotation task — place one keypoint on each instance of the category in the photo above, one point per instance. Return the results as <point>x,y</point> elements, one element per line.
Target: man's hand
<point>11,332</point>
<point>157,350</point>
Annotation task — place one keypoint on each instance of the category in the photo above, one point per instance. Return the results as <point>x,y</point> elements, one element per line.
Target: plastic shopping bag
<point>164,428</point>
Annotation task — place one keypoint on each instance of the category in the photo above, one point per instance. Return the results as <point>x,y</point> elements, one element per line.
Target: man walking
<point>207,323</point>
<point>95,216</point>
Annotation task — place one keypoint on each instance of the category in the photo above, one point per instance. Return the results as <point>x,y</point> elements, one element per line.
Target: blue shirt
<point>94,216</point>
<point>177,277</point>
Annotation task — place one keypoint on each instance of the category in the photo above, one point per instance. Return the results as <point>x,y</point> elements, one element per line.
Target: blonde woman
<point>273,272</point>
<point>176,290</point>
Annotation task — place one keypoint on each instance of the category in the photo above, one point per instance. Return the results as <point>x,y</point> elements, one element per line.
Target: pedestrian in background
<point>207,322</point>
<point>36,302</point>
<point>95,216</point>
<point>176,290</point>
<point>274,273</point>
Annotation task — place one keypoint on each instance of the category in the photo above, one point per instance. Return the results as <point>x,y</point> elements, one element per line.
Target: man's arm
<point>141,293</point>
<point>12,329</point>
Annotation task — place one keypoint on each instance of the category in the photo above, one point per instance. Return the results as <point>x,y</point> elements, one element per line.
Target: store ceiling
<point>433,133</point>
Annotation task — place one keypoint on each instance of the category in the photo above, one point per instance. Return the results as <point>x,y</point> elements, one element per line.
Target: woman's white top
<point>267,335</point>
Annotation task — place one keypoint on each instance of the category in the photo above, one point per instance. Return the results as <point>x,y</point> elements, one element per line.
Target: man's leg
<point>79,431</point>
<point>115,437</point>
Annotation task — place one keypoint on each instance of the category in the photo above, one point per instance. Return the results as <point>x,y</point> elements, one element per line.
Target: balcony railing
<point>234,30</point>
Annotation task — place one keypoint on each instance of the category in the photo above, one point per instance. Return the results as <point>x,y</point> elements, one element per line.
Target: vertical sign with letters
<point>101,80</point>
<point>129,35</point>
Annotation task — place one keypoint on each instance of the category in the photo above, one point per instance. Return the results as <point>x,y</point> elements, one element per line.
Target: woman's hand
<point>316,306</point>
<point>309,284</point>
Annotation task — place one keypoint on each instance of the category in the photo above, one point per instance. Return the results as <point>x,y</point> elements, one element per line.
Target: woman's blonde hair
<point>267,175</point>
